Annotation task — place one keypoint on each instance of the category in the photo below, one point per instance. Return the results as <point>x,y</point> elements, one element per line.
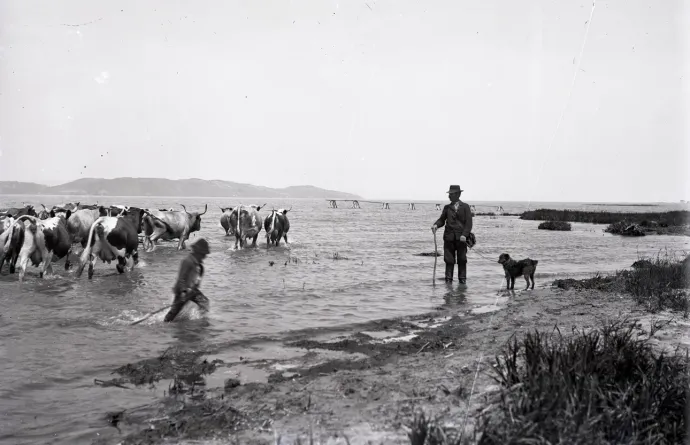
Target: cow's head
<point>43,214</point>
<point>194,218</point>
<point>73,206</point>
<point>135,215</point>
<point>117,210</point>
<point>27,210</point>
<point>63,214</point>
<point>283,211</point>
<point>60,211</point>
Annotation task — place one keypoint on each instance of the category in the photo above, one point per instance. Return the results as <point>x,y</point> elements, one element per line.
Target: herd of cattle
<point>113,233</point>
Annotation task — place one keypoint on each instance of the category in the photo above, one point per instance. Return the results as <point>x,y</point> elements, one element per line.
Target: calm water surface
<point>60,333</point>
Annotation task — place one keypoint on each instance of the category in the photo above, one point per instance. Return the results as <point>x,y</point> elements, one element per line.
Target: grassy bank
<point>602,386</point>
<point>595,386</point>
<point>659,283</point>
<point>663,219</point>
<point>605,385</point>
<point>494,214</point>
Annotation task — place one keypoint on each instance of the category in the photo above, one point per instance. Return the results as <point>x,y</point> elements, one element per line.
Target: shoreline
<point>366,382</point>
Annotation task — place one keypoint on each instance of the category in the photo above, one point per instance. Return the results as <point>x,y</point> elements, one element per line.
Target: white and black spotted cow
<point>78,227</point>
<point>9,248</point>
<point>43,242</point>
<point>112,238</point>
<point>247,225</point>
<point>170,225</point>
<point>276,226</point>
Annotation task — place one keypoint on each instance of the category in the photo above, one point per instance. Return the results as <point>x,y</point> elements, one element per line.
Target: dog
<point>513,269</point>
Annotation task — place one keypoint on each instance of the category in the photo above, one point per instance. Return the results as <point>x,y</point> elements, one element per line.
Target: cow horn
<point>205,209</point>
<point>185,208</point>
<point>44,207</point>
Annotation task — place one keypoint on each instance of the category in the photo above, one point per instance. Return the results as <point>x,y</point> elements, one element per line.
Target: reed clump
<point>601,386</point>
<point>661,219</point>
<point>625,228</point>
<point>658,283</point>
<point>555,225</point>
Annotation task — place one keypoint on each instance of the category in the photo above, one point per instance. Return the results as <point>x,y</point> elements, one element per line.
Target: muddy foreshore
<point>356,387</point>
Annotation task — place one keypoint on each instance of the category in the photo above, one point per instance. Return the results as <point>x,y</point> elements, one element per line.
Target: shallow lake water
<point>60,333</point>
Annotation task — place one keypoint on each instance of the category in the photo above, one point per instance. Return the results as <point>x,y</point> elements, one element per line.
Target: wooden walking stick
<point>435,257</point>
<point>149,315</point>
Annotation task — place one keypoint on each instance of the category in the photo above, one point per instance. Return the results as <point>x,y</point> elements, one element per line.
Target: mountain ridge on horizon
<point>217,188</point>
<point>191,187</point>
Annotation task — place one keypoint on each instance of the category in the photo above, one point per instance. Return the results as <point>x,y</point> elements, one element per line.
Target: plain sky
<point>388,99</point>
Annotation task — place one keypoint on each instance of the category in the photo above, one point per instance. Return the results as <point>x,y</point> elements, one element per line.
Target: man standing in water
<point>457,217</point>
<point>188,280</point>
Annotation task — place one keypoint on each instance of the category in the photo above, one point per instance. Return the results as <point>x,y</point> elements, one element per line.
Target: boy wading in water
<point>188,280</point>
<point>457,217</point>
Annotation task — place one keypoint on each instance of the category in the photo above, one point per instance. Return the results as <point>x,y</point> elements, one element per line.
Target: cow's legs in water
<point>23,262</point>
<point>184,237</point>
<point>69,252</point>
<point>157,233</point>
<point>92,263</point>
<point>47,263</point>
<point>254,240</point>
<point>48,268</point>
<point>121,264</point>
<point>14,258</point>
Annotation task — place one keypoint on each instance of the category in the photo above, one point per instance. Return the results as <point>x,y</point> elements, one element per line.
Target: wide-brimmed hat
<point>454,188</point>
<point>201,246</point>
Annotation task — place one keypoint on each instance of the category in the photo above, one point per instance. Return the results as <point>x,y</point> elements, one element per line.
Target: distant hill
<point>21,188</point>
<point>168,187</point>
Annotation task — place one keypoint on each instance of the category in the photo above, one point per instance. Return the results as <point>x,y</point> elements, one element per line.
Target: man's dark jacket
<point>457,223</point>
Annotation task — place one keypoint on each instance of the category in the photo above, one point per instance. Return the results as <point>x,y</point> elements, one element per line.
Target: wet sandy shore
<point>357,387</point>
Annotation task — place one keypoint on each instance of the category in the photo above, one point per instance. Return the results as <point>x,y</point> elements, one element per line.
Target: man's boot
<point>449,271</point>
<point>462,272</point>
